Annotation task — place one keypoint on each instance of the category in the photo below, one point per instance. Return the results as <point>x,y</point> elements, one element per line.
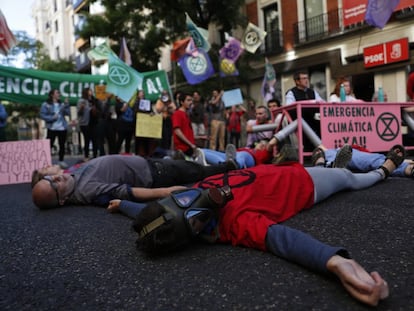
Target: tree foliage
<point>148,25</point>
<point>23,53</point>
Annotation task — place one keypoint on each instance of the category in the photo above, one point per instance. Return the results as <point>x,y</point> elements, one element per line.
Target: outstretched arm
<point>146,194</point>
<point>301,248</point>
<point>368,288</point>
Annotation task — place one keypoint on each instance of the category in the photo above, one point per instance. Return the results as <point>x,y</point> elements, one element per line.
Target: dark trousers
<point>124,134</point>
<point>166,172</point>
<point>61,135</point>
<point>87,137</point>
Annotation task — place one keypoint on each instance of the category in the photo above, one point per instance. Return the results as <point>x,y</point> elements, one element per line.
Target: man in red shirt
<point>183,134</point>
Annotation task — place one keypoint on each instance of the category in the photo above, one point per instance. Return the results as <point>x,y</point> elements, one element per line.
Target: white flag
<point>253,37</point>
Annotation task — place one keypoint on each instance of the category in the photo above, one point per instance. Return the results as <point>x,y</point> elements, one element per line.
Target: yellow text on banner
<point>148,125</point>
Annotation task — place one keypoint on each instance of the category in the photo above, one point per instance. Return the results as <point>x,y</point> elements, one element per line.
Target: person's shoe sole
<point>343,157</point>
<point>231,152</point>
<point>200,157</point>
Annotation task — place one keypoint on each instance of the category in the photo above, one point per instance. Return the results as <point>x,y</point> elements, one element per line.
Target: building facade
<point>327,38</point>
<point>330,39</point>
<point>54,20</point>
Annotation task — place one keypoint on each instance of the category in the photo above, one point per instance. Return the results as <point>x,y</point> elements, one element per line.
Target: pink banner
<point>375,126</point>
<point>18,159</point>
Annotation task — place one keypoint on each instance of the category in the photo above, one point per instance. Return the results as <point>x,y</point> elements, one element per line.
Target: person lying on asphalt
<point>116,176</point>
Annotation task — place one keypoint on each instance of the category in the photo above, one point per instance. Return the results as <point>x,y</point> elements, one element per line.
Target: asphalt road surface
<point>83,258</point>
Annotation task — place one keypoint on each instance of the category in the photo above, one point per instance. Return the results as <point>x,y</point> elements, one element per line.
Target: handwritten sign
<point>374,126</point>
<point>148,125</point>
<point>232,98</point>
<point>18,159</point>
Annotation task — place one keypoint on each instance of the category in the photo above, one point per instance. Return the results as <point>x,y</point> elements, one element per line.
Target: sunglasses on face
<point>53,185</point>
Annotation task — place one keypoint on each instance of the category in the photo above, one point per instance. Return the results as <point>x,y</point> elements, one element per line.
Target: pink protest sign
<point>18,159</point>
<point>375,126</point>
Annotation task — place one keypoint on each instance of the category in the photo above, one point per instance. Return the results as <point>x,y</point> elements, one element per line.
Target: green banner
<point>31,86</point>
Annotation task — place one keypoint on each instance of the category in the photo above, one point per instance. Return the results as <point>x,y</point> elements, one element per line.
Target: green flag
<point>123,80</point>
<point>100,53</point>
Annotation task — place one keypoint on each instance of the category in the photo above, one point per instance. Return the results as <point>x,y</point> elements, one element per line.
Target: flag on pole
<point>199,35</point>
<point>124,53</point>
<point>231,50</point>
<point>179,48</point>
<point>100,53</point>
<point>198,68</point>
<point>253,37</point>
<point>269,81</point>
<point>7,39</point>
<point>123,80</point>
<point>227,68</point>
<point>379,12</point>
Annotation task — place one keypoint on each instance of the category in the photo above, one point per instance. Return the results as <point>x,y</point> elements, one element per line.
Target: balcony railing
<point>318,27</point>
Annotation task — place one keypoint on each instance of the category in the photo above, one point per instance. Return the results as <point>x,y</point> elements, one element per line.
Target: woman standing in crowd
<point>53,112</point>
<point>126,124</point>
<point>84,110</point>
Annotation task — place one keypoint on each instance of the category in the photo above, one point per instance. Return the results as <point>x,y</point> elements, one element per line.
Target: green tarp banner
<point>31,86</point>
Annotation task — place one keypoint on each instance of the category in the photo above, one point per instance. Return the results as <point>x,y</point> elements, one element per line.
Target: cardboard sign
<point>376,127</point>
<point>232,98</point>
<point>148,125</point>
<point>100,92</point>
<point>18,159</point>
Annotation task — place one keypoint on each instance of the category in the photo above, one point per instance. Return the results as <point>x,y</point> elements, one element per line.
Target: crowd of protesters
<point>109,126</point>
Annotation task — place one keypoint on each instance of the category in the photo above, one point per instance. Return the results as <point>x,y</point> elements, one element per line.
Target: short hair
<point>274,100</point>
<point>267,111</point>
<point>296,75</point>
<point>182,97</point>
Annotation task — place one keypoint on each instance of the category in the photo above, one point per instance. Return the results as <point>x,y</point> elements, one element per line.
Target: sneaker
<point>343,156</point>
<point>231,152</point>
<point>288,153</point>
<point>199,157</point>
<point>63,165</point>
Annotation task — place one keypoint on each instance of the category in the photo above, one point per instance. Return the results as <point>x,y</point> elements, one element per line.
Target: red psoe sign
<point>386,53</point>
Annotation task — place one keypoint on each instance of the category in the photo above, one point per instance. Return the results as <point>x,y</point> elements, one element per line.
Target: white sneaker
<point>199,157</point>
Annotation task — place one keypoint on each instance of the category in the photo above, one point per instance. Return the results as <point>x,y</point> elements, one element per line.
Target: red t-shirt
<point>260,156</point>
<point>263,195</point>
<point>181,120</point>
<point>234,121</point>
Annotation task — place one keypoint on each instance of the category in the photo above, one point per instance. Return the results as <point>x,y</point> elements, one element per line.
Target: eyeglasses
<point>53,185</point>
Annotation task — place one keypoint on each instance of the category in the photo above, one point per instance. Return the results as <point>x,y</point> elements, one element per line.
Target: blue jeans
<point>243,158</point>
<point>365,161</point>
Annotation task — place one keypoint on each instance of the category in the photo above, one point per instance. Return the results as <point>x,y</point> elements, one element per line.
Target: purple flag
<point>379,12</point>
<point>269,81</point>
<point>231,50</point>
<point>198,68</point>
